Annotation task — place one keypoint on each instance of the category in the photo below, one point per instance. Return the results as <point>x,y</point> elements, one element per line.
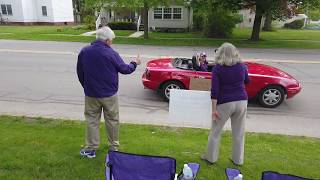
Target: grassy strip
<point>171,42</point>
<point>20,31</point>
<point>49,149</point>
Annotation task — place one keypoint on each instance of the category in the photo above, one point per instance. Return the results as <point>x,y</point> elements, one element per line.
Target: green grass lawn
<point>21,31</point>
<point>49,149</point>
<point>244,34</point>
<point>280,38</point>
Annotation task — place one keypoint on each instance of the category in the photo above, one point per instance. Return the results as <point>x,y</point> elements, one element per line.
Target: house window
<point>44,11</point>
<point>6,9</point>
<point>157,13</point>
<point>177,13</point>
<point>167,13</point>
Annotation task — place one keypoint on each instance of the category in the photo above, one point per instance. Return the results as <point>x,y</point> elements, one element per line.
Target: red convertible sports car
<point>268,84</point>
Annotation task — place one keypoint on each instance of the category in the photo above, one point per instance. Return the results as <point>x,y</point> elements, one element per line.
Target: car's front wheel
<point>271,96</point>
<point>166,87</point>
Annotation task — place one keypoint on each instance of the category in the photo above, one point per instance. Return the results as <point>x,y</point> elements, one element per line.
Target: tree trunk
<point>267,22</point>
<point>145,20</point>
<point>256,26</point>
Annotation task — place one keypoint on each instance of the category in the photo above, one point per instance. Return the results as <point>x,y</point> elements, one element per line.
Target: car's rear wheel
<point>271,96</point>
<point>166,87</point>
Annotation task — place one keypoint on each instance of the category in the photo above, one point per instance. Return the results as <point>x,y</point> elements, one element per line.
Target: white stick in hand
<point>138,60</point>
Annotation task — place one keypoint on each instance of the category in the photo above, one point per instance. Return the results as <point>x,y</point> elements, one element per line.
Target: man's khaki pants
<point>236,111</point>
<point>92,112</point>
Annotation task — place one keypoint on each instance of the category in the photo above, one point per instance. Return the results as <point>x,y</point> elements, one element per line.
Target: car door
<point>184,76</point>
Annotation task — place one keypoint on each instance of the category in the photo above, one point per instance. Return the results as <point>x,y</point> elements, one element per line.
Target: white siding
<point>29,14</point>
<point>248,18</point>
<point>171,23</point>
<point>17,13</point>
<point>48,4</point>
<point>31,11</point>
<point>62,11</point>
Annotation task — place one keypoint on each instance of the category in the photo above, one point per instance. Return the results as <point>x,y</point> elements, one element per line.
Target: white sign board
<point>188,108</point>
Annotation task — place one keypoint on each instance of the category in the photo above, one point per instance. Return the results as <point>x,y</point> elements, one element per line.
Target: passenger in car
<point>203,62</point>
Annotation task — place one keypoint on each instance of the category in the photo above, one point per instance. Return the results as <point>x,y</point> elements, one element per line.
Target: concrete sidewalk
<point>137,34</point>
<point>91,33</point>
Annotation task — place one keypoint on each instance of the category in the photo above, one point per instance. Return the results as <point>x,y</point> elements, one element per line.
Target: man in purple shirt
<point>97,68</point>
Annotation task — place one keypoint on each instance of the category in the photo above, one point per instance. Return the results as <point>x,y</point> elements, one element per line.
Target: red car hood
<point>265,70</point>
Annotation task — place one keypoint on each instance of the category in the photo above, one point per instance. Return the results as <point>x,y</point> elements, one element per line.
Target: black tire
<point>164,91</point>
<point>271,96</point>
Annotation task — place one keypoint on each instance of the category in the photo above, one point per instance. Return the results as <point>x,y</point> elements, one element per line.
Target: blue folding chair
<point>270,175</point>
<point>232,173</point>
<point>120,166</point>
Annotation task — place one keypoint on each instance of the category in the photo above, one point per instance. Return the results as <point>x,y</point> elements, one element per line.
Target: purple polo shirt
<point>228,83</point>
<point>204,66</point>
<point>98,67</point>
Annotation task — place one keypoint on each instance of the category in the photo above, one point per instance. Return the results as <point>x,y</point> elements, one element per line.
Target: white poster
<point>188,108</point>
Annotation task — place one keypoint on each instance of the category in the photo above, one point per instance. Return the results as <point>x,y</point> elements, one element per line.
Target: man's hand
<point>138,60</point>
<point>215,115</point>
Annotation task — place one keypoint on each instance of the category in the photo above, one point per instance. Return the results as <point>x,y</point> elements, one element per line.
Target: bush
<point>89,22</point>
<point>220,24</point>
<point>197,22</point>
<point>314,15</point>
<point>296,24</point>
<point>122,25</point>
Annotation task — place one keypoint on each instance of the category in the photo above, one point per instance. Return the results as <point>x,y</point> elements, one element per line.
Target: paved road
<point>39,79</point>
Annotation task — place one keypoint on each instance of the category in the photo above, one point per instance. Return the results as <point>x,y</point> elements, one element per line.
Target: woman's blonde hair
<point>227,55</point>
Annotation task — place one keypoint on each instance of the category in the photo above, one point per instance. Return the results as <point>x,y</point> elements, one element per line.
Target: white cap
<point>105,33</point>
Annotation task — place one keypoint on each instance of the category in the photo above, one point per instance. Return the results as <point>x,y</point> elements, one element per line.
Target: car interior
<point>189,64</point>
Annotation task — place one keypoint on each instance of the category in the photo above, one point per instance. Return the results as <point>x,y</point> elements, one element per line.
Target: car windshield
<point>182,63</point>
<point>188,64</point>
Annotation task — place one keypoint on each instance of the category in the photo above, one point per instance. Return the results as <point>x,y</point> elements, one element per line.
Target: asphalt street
<point>39,79</point>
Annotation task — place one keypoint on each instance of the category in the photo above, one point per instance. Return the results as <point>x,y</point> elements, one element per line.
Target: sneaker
<point>203,157</point>
<point>88,152</point>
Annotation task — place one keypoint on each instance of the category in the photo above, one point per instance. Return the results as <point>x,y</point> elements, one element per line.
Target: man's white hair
<point>105,33</point>
<point>227,55</point>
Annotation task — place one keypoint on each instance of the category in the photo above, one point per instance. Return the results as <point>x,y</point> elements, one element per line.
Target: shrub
<point>89,22</point>
<point>314,15</point>
<point>220,24</point>
<point>296,24</point>
<point>122,25</point>
<point>197,22</point>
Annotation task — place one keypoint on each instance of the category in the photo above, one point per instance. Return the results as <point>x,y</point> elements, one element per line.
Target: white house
<point>37,11</point>
<point>171,17</point>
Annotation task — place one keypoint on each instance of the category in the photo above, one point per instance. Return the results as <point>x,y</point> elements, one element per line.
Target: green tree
<point>264,6</point>
<point>216,17</point>
<point>279,10</point>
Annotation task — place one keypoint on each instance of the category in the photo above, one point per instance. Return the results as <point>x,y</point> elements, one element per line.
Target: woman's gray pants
<point>236,111</point>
